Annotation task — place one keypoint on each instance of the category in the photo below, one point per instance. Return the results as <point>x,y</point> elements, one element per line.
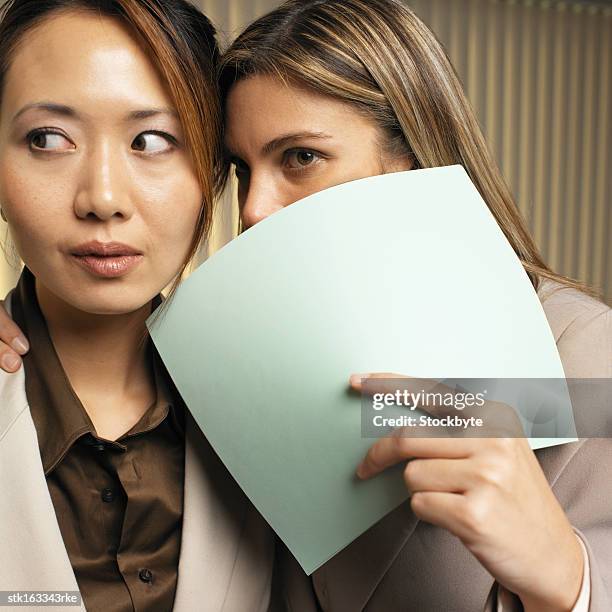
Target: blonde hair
<point>378,56</point>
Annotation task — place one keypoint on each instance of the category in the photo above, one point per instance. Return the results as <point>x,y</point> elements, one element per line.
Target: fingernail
<point>20,344</point>
<point>360,471</point>
<point>10,362</point>
<point>355,379</point>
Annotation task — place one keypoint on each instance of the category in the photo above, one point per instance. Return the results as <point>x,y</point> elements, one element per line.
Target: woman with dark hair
<point>109,154</point>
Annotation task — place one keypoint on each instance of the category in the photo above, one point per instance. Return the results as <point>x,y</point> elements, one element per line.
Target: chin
<point>111,309</point>
<point>113,302</point>
<point>106,298</point>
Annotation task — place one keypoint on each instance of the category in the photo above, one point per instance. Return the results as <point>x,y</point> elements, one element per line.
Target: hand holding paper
<point>489,492</point>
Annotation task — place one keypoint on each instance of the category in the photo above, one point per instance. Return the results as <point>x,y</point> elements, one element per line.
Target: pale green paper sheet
<point>405,273</point>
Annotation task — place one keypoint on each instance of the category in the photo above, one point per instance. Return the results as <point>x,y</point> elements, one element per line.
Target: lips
<point>106,259</point>
<point>104,249</point>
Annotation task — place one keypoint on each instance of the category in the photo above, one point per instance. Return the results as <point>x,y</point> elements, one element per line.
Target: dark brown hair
<point>182,44</point>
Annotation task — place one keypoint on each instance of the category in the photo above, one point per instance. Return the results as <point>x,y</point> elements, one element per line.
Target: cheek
<point>344,167</point>
<point>364,162</point>
<point>32,207</point>
<point>172,221</point>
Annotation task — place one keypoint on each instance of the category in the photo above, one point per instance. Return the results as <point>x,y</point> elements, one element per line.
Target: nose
<point>104,190</point>
<point>260,198</point>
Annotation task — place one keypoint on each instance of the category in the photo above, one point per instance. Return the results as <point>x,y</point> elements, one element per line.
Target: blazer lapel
<point>226,547</point>
<point>348,580</point>
<point>33,555</point>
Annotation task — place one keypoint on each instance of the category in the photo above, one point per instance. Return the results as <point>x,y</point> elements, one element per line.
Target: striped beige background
<point>538,75</point>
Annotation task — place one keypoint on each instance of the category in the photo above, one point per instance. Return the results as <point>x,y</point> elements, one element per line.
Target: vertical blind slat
<point>556,147</point>
<point>586,158</point>
<point>525,116</point>
<point>541,107</point>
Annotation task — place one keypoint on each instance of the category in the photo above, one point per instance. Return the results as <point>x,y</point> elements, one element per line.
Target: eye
<point>299,159</point>
<point>153,143</point>
<point>46,139</point>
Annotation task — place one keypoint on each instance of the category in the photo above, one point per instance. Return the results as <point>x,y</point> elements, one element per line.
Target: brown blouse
<point>119,504</point>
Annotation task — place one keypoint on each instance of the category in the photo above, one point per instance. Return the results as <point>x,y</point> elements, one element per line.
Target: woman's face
<point>288,142</point>
<point>91,155</point>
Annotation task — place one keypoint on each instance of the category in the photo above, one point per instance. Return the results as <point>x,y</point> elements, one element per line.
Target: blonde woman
<point>320,92</point>
<point>317,93</point>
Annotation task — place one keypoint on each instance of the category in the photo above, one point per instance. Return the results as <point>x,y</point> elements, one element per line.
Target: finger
<point>10,333</point>
<point>442,509</point>
<point>356,380</point>
<point>10,361</point>
<point>388,451</point>
<point>383,381</point>
<point>443,475</point>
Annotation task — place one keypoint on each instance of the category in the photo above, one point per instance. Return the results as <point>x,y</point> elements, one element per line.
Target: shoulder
<point>582,328</point>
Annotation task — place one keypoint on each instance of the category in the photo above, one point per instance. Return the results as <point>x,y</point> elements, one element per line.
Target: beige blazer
<point>227,549</point>
<point>403,564</point>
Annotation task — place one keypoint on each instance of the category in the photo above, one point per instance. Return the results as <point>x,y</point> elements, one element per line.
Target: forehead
<point>261,107</point>
<point>82,57</point>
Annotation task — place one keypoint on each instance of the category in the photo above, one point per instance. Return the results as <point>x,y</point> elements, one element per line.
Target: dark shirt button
<point>146,575</point>
<point>108,495</point>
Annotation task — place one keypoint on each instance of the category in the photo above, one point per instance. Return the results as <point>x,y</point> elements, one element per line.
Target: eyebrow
<point>67,111</point>
<point>58,109</point>
<point>280,141</point>
<point>151,112</point>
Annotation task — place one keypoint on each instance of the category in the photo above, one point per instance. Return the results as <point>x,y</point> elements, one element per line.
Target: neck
<point>104,356</point>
